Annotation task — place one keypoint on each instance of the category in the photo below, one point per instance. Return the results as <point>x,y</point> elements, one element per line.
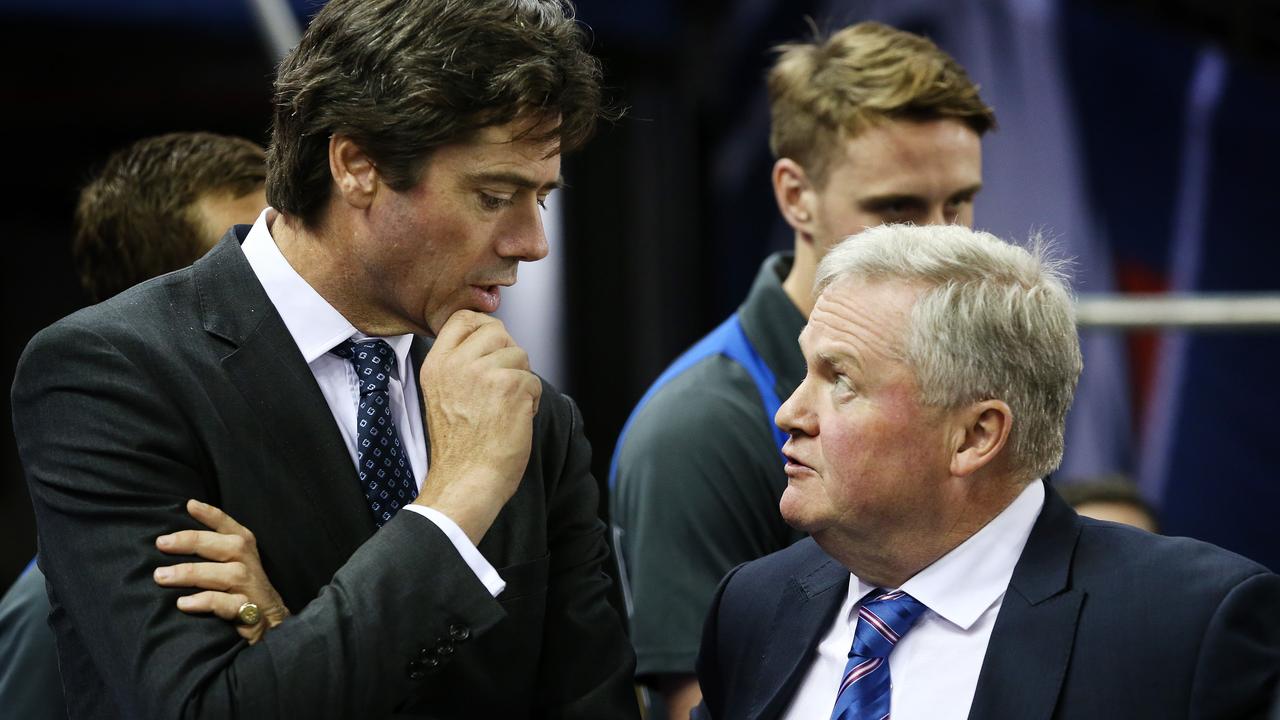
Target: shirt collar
<point>962,584</point>
<point>315,325</point>
<point>772,323</point>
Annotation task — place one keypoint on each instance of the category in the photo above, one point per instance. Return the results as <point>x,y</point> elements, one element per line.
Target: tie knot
<point>374,362</point>
<point>882,621</point>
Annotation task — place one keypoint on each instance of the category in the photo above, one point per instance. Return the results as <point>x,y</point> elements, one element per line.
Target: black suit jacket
<point>1099,621</point>
<point>190,386</point>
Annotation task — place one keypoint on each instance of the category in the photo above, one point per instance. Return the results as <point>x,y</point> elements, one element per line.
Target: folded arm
<point>111,459</point>
<point>232,577</point>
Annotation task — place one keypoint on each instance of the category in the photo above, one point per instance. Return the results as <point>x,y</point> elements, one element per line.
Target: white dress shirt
<point>934,668</point>
<point>317,328</point>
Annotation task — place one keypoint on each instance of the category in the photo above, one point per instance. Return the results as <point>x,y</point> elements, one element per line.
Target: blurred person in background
<point>155,206</point>
<point>161,203</point>
<point>1114,498</point>
<point>871,125</point>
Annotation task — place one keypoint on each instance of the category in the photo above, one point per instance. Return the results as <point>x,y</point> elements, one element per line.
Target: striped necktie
<point>882,621</point>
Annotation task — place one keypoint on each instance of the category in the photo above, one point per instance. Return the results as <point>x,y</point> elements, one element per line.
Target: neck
<point>799,282</point>
<point>320,256</point>
<point>888,559</point>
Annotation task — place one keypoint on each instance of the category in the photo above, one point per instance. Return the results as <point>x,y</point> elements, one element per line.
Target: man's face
<point>925,173</point>
<point>1118,512</point>
<point>864,455</point>
<point>215,212</point>
<point>454,239</point>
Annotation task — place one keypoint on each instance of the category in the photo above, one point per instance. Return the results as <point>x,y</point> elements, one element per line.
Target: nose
<point>526,240</point>
<point>535,246</point>
<point>937,215</point>
<point>794,416</point>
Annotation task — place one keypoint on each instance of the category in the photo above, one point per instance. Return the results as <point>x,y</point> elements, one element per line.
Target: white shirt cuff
<point>470,555</point>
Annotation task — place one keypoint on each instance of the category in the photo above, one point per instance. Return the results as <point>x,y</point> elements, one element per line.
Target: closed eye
<point>842,386</point>
<point>493,202</point>
<point>896,207</point>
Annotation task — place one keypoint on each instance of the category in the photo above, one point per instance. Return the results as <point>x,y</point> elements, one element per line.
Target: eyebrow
<point>839,361</point>
<point>830,359</point>
<point>510,178</point>
<point>877,200</point>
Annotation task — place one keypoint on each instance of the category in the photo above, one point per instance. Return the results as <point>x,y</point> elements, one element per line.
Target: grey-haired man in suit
<point>943,577</point>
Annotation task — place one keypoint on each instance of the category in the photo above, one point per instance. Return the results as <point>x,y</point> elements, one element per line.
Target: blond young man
<point>869,126</point>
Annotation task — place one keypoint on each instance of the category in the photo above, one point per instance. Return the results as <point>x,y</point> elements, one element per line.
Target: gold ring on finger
<point>248,614</point>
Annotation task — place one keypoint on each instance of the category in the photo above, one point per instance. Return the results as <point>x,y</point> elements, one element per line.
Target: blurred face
<point>865,459</point>
<point>902,171</point>
<point>1118,512</point>
<point>216,212</point>
<point>455,239</point>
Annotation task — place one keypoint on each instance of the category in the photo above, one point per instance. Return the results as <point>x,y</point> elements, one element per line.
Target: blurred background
<point>1141,134</point>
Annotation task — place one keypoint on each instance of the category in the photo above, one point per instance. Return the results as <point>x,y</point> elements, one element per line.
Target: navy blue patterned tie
<point>385,473</point>
<point>865,688</point>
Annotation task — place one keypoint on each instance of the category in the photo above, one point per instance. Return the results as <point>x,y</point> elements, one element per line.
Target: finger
<point>533,386</point>
<point>207,544</point>
<point>508,358</point>
<point>221,604</point>
<point>458,327</point>
<point>528,384</point>
<point>224,576</point>
<point>252,633</point>
<point>215,519</point>
<point>483,341</point>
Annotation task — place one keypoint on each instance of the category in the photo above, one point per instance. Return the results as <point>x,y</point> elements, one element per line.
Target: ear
<point>796,196</point>
<point>354,174</point>
<point>982,433</point>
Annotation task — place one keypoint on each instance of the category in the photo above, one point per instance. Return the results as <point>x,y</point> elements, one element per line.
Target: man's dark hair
<point>403,77</point>
<point>135,219</point>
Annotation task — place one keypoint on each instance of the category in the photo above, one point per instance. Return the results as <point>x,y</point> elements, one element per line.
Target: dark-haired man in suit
<point>943,577</point>
<point>285,378</point>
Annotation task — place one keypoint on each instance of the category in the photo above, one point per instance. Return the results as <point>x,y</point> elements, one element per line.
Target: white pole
<point>1201,311</point>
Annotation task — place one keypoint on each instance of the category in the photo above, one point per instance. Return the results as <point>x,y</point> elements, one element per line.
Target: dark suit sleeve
<point>110,457</point>
<point>587,664</point>
<point>1239,664</point>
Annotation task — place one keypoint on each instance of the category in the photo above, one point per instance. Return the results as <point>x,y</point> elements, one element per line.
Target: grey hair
<point>993,321</point>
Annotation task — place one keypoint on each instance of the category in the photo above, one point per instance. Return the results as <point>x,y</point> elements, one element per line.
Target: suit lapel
<point>266,367</point>
<point>806,610</point>
<point>1030,647</point>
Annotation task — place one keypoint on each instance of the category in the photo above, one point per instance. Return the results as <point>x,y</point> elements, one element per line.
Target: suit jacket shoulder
<point>762,629</point>
<point>1103,620</point>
